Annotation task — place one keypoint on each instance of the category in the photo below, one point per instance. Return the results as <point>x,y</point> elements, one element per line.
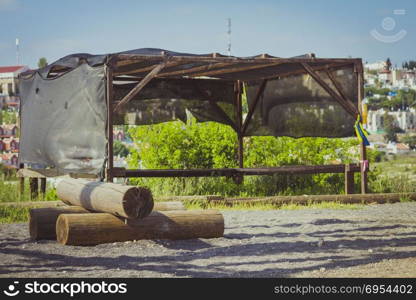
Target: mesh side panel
<point>297,106</point>
<point>165,100</point>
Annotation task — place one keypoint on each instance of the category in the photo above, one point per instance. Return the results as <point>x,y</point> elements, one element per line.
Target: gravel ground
<point>379,240</point>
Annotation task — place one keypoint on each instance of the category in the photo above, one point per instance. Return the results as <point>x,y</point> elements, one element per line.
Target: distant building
<point>8,130</point>
<point>385,76</point>
<point>376,66</point>
<point>397,148</point>
<point>9,85</point>
<point>405,120</point>
<point>9,159</point>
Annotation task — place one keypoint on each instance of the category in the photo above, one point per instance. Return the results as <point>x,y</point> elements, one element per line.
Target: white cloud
<point>7,5</point>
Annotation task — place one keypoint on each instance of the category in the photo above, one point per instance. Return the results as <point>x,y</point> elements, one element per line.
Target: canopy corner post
<point>110,101</point>
<point>238,178</point>
<point>364,165</point>
<point>239,121</point>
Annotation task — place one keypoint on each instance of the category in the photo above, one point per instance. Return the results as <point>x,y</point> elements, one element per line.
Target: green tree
<point>390,128</point>
<point>120,149</point>
<point>410,140</point>
<point>42,62</point>
<point>388,63</point>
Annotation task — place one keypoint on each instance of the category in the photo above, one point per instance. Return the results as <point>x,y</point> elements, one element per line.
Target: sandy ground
<point>379,240</point>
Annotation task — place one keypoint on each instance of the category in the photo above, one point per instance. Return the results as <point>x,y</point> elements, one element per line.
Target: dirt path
<point>379,240</point>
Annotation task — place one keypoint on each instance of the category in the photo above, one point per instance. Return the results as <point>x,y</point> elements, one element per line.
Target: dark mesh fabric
<point>298,106</point>
<point>165,100</point>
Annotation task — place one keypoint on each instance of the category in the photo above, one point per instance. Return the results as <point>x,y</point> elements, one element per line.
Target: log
<point>93,229</point>
<point>121,200</point>
<point>42,221</point>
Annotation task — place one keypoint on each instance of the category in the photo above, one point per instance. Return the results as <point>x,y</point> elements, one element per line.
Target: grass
<point>13,214</point>
<point>9,192</point>
<point>394,176</point>
<point>201,204</point>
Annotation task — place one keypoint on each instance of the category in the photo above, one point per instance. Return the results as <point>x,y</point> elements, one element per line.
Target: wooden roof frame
<point>214,65</point>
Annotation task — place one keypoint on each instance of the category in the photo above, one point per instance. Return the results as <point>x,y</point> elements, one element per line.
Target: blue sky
<point>55,28</point>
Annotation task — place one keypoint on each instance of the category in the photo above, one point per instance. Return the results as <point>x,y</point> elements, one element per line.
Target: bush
<point>176,145</point>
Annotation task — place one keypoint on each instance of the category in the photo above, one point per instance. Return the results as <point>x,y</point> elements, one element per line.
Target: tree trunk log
<point>93,229</point>
<point>121,200</point>
<point>42,221</point>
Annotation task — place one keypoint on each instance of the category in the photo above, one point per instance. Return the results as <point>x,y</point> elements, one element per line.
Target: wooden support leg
<point>33,182</point>
<point>21,186</point>
<point>43,187</point>
<point>364,169</point>
<point>349,180</point>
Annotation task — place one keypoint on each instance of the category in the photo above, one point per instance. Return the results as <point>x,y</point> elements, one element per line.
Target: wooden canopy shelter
<point>134,75</point>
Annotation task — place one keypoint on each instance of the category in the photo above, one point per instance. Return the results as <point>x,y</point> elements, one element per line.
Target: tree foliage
<point>42,62</point>
<point>120,149</point>
<point>390,128</point>
<point>176,145</point>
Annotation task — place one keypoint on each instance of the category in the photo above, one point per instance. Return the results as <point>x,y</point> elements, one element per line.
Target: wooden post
<point>43,187</point>
<point>238,179</point>
<point>109,95</point>
<point>239,121</point>
<point>363,151</point>
<point>34,188</point>
<point>349,180</point>
<point>21,182</point>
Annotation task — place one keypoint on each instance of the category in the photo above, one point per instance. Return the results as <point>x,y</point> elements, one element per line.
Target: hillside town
<point>391,106</point>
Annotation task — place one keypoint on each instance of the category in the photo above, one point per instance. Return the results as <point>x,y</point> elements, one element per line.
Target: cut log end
<point>138,202</point>
<point>62,230</point>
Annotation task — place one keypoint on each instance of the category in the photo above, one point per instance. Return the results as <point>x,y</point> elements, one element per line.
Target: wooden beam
<point>252,108</point>
<point>229,172</point>
<point>34,188</point>
<point>328,89</point>
<point>349,180</point>
<point>341,91</point>
<point>235,70</point>
<point>191,59</point>
<point>207,67</point>
<point>43,186</point>
<point>149,68</point>
<point>141,85</point>
<point>45,173</point>
<point>110,103</point>
<point>239,121</point>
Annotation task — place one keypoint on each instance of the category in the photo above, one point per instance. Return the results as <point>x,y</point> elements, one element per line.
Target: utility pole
<point>17,52</point>
<point>229,37</point>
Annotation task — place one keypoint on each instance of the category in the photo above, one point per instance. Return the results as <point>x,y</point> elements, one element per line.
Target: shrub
<point>176,145</point>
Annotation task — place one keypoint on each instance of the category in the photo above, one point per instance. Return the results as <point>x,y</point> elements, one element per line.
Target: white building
<point>9,90</point>
<point>376,66</point>
<point>405,120</point>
